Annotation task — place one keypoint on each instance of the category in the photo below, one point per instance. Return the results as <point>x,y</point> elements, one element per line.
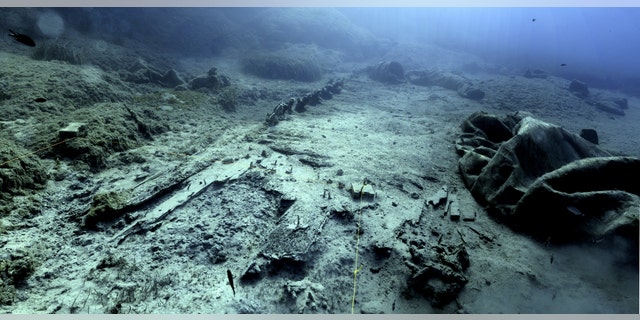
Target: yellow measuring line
<point>357,269</point>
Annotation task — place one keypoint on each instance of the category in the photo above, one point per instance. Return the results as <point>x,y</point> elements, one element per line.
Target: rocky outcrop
<point>579,88</point>
<point>535,73</point>
<point>141,72</point>
<point>451,81</point>
<point>285,67</point>
<point>212,81</point>
<point>614,106</point>
<point>387,72</point>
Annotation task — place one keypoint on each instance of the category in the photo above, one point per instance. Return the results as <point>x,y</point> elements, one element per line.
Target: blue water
<point>596,45</point>
<point>599,45</point>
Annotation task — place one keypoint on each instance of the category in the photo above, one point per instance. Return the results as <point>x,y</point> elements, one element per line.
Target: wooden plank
<point>184,190</point>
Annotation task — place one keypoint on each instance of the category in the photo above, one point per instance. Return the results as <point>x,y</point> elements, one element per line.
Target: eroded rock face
<point>448,80</point>
<point>535,73</point>
<point>579,88</point>
<point>390,72</point>
<point>546,181</point>
<point>212,81</point>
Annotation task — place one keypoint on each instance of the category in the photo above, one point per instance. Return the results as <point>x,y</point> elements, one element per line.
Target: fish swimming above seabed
<point>22,38</point>
<point>230,277</point>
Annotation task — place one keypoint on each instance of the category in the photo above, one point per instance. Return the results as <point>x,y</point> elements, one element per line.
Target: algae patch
<point>14,270</point>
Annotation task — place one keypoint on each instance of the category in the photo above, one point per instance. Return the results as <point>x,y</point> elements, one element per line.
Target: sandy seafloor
<point>399,137</point>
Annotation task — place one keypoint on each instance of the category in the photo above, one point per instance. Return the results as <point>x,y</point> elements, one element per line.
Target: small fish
<point>24,39</point>
<point>39,100</point>
<point>533,20</point>
<point>563,64</point>
<point>230,276</point>
<point>575,211</point>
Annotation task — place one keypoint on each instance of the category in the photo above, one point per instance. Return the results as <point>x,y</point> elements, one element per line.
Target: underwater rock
<point>253,271</point>
<point>421,78</point>
<point>579,88</point>
<point>590,135</point>
<point>469,92</point>
<point>610,107</point>
<point>15,269</point>
<point>171,79</point>
<point>546,181</point>
<point>141,72</point>
<point>621,102</point>
<point>19,170</point>
<point>105,207</point>
<point>535,73</point>
<point>125,130</point>
<point>447,80</point>
<point>54,49</point>
<point>371,307</point>
<point>382,248</point>
<point>271,66</point>
<point>309,296</point>
<point>387,72</point>
<point>212,81</point>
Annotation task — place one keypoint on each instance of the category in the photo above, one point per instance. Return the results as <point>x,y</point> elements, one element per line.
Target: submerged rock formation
<point>390,72</point>
<point>451,81</point>
<point>212,81</point>
<point>579,88</point>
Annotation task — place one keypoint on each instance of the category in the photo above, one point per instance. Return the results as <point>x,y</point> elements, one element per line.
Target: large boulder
<point>142,72</point>
<point>610,106</point>
<point>447,80</point>
<point>212,81</point>
<point>390,72</point>
<point>579,88</point>
<point>546,181</point>
<point>286,67</point>
<point>535,73</point>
